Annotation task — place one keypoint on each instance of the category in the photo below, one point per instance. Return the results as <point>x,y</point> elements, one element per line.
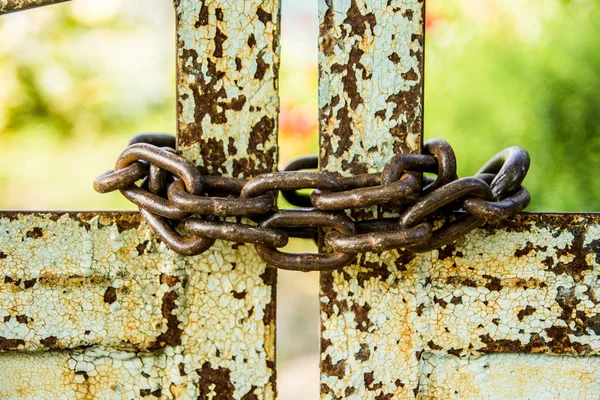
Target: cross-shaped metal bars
<point>94,306</point>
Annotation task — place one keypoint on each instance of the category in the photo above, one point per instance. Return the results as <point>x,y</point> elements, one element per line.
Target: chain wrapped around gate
<point>189,211</point>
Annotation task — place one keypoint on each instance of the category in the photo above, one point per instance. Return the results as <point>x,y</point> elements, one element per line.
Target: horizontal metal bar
<point>9,6</point>
<point>79,279</point>
<point>510,376</point>
<point>526,286</point>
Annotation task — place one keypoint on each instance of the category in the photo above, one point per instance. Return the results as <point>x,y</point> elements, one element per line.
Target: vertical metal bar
<point>8,6</point>
<point>371,107</point>
<point>227,110</point>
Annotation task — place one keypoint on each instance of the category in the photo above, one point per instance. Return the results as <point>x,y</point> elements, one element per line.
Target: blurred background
<point>78,79</point>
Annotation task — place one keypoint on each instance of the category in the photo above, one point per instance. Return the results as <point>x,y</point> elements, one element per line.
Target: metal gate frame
<point>95,306</point>
<point>507,303</point>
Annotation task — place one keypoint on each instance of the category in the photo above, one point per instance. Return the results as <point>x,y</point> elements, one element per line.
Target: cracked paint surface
<point>401,325</point>
<point>72,280</point>
<point>502,312</point>
<point>186,327</point>
<point>7,6</point>
<point>174,327</point>
<point>227,65</point>
<point>370,82</point>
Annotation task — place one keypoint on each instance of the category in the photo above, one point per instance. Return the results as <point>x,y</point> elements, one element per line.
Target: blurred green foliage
<point>527,76</point>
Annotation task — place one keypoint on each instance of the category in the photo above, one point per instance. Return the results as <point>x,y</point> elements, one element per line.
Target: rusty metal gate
<point>94,306</point>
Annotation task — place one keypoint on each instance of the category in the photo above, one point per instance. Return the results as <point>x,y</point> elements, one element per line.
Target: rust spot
<point>110,295</point>
<point>220,38</point>
<point>264,16</point>
<point>169,280</point>
<point>361,316</point>
<point>446,252</point>
<point>49,342</point>
<point>525,312</point>
<point>148,392</point>
<point>251,40</point>
<point>394,57</point>
<point>10,344</point>
<point>374,270</point>
<point>328,368</point>
<point>142,248</point>
<point>364,353</point>
<point>493,284</point>
<point>215,380</point>
<point>202,15</point>
<point>410,75</point>
<point>23,319</point>
<point>2,255</point>
<point>358,22</point>
<point>239,295</point>
<point>35,233</point>
<point>172,336</point>
<point>29,283</point>
<point>434,346</point>
<point>261,68</point>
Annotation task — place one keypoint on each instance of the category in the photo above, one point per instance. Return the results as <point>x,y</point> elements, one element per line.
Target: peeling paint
<point>529,286</point>
<point>511,376</point>
<point>129,316</point>
<point>370,82</point>
<point>499,314</point>
<point>228,105</point>
<point>95,306</point>
<point>370,108</point>
<point>73,280</point>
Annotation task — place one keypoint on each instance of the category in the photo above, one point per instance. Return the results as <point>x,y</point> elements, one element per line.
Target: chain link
<point>188,211</point>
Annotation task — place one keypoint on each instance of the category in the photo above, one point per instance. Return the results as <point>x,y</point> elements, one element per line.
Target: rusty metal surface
<point>8,6</point>
<point>228,62</point>
<point>183,327</point>
<point>227,108</point>
<point>82,279</point>
<point>370,109</point>
<point>486,317</point>
<point>402,325</point>
<point>370,82</point>
<point>131,318</point>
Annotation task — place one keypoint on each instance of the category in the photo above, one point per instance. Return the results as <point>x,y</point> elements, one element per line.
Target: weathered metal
<point>227,63</point>
<point>81,279</point>
<point>401,325</point>
<point>124,316</point>
<point>8,6</point>
<point>156,323</point>
<point>370,82</point>
<point>485,317</point>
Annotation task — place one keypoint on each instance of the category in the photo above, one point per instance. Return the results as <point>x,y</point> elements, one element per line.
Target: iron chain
<point>184,207</point>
